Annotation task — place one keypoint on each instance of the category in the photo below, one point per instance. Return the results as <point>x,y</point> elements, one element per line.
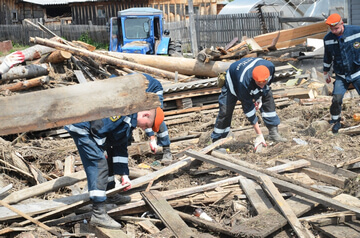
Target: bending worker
<point>248,80</point>
<point>11,60</point>
<point>108,137</point>
<point>162,135</point>
<point>342,51</point>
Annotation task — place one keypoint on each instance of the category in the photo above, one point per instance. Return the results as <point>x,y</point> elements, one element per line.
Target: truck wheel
<point>175,48</point>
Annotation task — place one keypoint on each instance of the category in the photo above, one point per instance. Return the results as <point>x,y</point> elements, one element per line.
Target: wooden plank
<point>286,186</point>
<point>322,175</point>
<point>331,169</point>
<point>149,226</point>
<point>167,214</point>
<point>66,105</point>
<point>338,231</point>
<point>110,233</point>
<point>284,207</point>
<point>256,195</point>
<point>80,76</point>
<point>3,190</point>
<point>292,165</point>
<point>289,34</point>
<point>42,188</point>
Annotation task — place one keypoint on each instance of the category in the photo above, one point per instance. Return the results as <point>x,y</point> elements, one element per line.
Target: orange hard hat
<point>333,19</point>
<point>261,73</point>
<point>159,118</point>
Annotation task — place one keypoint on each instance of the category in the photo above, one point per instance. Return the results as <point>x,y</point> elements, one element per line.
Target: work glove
<point>10,60</point>
<point>327,78</point>
<point>153,145</point>
<point>258,103</point>
<point>125,180</point>
<point>259,140</point>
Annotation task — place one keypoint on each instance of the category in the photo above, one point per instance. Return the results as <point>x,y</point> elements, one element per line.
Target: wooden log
<point>72,104</point>
<point>184,66</point>
<point>28,71</point>
<point>34,52</point>
<point>106,59</point>
<point>24,85</point>
<point>58,56</point>
<point>83,45</point>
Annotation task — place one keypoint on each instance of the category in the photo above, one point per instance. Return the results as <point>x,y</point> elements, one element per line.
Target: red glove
<point>153,145</point>
<point>327,78</point>
<point>125,180</point>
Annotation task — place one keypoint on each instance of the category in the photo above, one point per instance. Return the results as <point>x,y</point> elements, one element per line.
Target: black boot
<point>101,218</point>
<point>118,199</point>
<point>167,156</point>
<point>274,134</point>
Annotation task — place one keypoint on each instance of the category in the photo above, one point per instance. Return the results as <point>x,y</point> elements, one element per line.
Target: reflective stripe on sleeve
<point>120,159</point>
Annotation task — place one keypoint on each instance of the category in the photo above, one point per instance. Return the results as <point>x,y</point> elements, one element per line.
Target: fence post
<point>193,40</point>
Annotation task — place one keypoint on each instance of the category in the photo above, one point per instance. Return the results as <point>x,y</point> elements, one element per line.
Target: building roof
<point>55,2</point>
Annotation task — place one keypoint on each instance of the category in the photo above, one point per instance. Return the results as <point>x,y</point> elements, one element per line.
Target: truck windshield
<point>134,28</point>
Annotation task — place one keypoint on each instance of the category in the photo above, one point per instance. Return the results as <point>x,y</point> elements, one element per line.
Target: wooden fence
<point>211,30</point>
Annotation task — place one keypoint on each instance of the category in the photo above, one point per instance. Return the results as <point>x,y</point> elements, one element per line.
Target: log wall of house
<point>174,10</point>
<point>12,12</point>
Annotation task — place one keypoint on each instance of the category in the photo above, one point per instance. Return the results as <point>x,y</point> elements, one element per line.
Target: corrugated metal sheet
<point>56,2</point>
<point>212,82</point>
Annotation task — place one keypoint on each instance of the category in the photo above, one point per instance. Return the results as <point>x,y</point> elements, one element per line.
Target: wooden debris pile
<point>295,196</point>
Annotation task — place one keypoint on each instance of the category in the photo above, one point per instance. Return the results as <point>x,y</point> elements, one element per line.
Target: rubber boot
<point>336,127</point>
<point>167,156</point>
<point>101,218</point>
<point>274,134</point>
<point>118,199</point>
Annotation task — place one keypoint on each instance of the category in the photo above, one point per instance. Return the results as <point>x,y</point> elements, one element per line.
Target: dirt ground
<point>298,122</point>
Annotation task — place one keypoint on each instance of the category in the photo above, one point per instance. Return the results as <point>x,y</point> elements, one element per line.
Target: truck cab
<point>139,30</point>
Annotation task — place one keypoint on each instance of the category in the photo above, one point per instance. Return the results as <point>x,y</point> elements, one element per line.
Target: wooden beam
<point>72,104</point>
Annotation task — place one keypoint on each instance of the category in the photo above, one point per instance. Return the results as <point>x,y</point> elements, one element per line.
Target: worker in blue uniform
<point>162,137</point>
<point>108,137</point>
<point>11,60</point>
<point>248,80</point>
<point>342,52</point>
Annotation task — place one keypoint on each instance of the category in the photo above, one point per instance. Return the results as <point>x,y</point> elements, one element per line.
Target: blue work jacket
<point>343,53</point>
<point>241,84</point>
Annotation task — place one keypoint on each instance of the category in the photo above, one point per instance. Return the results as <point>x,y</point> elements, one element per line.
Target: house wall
<point>12,12</point>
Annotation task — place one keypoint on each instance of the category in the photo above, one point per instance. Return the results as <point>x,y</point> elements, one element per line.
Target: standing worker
<point>342,51</point>
<point>248,81</point>
<point>163,134</point>
<point>108,137</point>
<point>11,60</point>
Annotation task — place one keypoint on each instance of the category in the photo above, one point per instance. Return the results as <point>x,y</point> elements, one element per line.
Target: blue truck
<point>140,30</point>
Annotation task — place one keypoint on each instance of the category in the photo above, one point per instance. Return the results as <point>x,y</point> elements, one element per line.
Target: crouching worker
<point>108,137</point>
<point>248,80</point>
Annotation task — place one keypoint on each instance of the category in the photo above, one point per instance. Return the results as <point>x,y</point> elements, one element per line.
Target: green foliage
<point>87,39</point>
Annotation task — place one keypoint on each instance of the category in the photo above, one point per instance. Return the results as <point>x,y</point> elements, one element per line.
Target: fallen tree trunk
<point>182,65</point>
<point>57,57</point>
<point>106,59</point>
<point>72,104</point>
